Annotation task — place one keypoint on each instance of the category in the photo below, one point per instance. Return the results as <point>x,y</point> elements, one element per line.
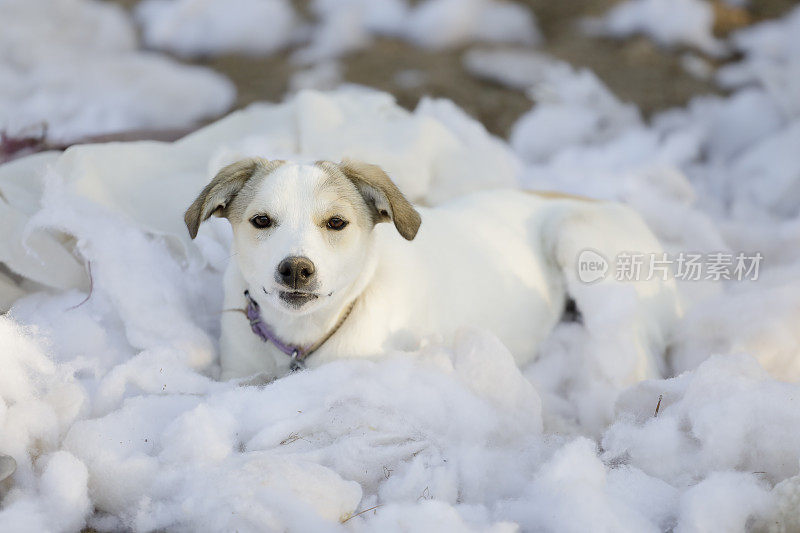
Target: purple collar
<point>265,333</point>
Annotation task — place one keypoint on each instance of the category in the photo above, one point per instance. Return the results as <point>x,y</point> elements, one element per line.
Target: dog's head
<point>302,233</point>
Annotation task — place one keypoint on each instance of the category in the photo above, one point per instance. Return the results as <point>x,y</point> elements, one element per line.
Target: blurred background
<point>74,70</point>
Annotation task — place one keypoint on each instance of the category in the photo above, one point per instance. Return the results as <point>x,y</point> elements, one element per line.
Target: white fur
<point>502,260</point>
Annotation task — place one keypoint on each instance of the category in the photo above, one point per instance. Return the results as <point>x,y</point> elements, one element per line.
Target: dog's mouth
<point>297,299</point>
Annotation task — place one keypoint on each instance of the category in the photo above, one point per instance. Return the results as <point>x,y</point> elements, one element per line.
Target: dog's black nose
<point>296,272</point>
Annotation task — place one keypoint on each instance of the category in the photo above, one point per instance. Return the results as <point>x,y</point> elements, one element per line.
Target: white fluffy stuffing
<point>109,405</point>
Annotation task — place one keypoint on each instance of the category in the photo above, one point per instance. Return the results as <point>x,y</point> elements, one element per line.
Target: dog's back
<point>509,261</point>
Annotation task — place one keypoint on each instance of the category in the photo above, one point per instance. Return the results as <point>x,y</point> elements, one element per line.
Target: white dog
<point>316,278</point>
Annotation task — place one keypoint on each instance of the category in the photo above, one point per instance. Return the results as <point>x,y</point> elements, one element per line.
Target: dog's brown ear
<point>220,191</point>
<point>383,196</point>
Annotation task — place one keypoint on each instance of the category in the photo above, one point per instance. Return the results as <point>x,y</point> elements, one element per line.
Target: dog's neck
<point>307,329</point>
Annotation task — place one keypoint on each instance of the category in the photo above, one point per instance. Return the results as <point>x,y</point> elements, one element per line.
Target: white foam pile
<point>71,69</point>
<point>669,23</point>
<point>203,27</point>
<point>434,24</point>
<point>111,411</point>
<point>771,58</point>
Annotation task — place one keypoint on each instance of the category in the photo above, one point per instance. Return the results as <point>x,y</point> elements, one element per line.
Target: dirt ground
<point>636,70</point>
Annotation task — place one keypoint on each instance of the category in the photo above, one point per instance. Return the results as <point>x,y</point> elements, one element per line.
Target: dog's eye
<point>336,223</point>
<point>261,221</point>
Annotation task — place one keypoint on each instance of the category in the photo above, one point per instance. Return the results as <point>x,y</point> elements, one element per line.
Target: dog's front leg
<point>242,353</point>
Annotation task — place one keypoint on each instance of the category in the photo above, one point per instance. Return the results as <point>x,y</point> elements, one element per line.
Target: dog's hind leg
<point>628,320</point>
